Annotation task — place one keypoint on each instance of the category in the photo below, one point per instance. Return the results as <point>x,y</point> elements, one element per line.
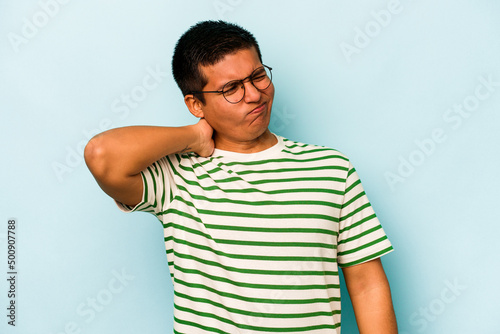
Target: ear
<point>194,105</point>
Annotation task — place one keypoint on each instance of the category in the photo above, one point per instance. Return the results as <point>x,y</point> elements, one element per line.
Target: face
<point>247,120</point>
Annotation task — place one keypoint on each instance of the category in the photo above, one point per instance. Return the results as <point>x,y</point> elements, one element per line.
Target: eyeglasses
<point>234,91</point>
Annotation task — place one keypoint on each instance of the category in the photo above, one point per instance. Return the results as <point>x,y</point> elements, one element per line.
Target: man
<point>255,224</point>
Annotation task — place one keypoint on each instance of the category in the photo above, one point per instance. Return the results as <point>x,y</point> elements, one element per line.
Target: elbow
<point>95,157</point>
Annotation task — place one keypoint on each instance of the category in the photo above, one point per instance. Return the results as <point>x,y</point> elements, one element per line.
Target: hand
<point>205,146</point>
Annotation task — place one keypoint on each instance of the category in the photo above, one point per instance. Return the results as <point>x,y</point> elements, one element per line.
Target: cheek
<point>270,94</point>
<point>271,90</point>
<point>220,115</point>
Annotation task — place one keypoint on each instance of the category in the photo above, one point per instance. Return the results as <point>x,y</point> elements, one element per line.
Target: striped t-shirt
<point>254,241</point>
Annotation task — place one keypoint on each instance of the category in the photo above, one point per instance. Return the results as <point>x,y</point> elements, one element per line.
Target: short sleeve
<point>157,193</point>
<point>361,237</point>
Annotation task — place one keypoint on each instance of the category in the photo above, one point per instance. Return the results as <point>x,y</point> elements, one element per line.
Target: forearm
<point>129,150</point>
<point>374,311</point>
<point>371,298</point>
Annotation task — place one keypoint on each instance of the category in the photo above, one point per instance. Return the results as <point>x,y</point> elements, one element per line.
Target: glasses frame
<point>241,82</point>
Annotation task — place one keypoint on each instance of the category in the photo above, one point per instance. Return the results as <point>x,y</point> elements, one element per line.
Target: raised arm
<point>371,298</point>
<point>116,157</point>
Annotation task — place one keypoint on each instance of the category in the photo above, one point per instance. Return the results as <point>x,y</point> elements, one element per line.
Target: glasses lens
<point>261,78</point>
<point>233,91</point>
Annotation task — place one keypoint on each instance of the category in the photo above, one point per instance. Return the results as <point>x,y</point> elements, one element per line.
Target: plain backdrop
<point>408,90</point>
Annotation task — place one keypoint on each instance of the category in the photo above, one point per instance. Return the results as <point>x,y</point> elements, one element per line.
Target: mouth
<point>259,109</point>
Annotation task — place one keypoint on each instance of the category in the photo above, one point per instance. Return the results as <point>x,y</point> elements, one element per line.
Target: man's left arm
<point>371,298</point>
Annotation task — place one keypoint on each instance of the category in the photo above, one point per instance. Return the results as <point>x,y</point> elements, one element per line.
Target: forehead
<point>234,66</point>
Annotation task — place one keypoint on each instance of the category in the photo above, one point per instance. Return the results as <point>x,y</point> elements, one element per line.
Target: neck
<point>261,143</point>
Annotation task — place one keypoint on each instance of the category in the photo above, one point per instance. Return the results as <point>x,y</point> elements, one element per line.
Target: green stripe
<point>361,208</point>
<point>163,190</point>
<point>194,324</point>
<point>218,169</point>
<point>256,271</point>
<point>321,149</point>
<point>208,174</point>
<point>245,214</point>
<point>365,246</point>
<point>247,256</point>
<point>257,314</point>
<point>358,181</point>
<point>272,229</point>
<point>294,144</point>
<point>145,182</point>
<point>196,165</point>
<point>142,205</point>
<point>291,143</point>
<point>145,207</point>
<point>275,192</point>
<point>256,203</point>
<point>356,224</point>
<point>247,242</point>
<point>360,235</point>
<point>262,162</point>
<point>367,258</point>
<point>298,169</point>
<point>268,216</point>
<point>259,300</point>
<point>183,214</point>
<point>177,332</point>
<point>155,204</point>
<point>255,328</point>
<point>352,200</point>
<point>298,179</point>
<point>255,285</point>
<point>213,159</point>
<point>275,243</point>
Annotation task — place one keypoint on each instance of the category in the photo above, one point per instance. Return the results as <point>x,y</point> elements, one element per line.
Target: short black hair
<point>206,43</point>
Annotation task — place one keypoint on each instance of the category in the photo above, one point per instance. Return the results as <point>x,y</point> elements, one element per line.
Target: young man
<point>255,225</point>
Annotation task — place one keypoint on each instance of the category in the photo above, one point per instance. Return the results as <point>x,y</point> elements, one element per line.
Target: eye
<point>231,87</point>
<point>259,75</point>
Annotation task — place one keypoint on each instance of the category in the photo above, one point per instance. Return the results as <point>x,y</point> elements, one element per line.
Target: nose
<point>252,94</point>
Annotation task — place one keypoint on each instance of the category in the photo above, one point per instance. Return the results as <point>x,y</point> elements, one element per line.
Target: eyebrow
<point>253,71</point>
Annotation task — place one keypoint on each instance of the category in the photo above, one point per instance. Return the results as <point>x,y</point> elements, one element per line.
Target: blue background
<point>378,80</point>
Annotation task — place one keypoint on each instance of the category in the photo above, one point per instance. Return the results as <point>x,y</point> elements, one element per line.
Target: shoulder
<point>297,148</point>
<point>187,162</point>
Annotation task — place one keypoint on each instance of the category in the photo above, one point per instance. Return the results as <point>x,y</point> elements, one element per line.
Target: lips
<point>259,109</point>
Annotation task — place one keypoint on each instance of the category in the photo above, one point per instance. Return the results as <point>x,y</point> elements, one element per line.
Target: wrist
<point>192,139</point>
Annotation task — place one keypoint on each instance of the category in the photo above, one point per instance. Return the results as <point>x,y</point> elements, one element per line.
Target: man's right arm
<point>116,157</point>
